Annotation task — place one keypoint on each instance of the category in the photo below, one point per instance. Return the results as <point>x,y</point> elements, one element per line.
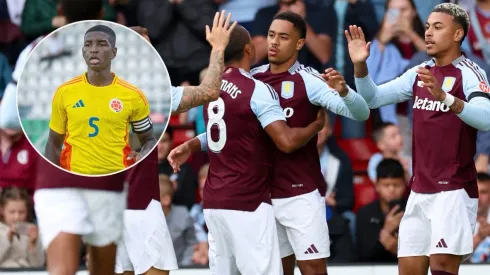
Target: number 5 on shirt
<point>216,119</point>
<point>91,123</point>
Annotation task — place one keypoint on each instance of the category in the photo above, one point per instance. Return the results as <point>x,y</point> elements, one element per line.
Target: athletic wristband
<point>449,100</point>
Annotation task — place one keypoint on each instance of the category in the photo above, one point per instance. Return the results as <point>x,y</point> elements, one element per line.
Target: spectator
<point>18,164</point>
<point>401,35</point>
<point>359,13</point>
<point>5,74</point>
<point>176,29</point>
<point>244,10</point>
<point>481,239</point>
<point>20,245</point>
<point>41,17</point>
<point>11,38</point>
<point>342,247</point>
<point>338,174</point>
<point>197,214</point>
<point>390,143</point>
<point>482,151</point>
<point>479,33</point>
<point>321,26</point>
<point>185,178</point>
<point>179,223</point>
<point>195,115</point>
<point>378,222</point>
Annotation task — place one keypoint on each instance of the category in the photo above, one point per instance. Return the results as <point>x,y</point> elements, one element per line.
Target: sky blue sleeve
<point>397,90</point>
<point>265,104</point>
<point>320,94</point>
<point>177,93</point>
<point>373,164</point>
<point>476,111</point>
<point>203,139</point>
<point>8,109</point>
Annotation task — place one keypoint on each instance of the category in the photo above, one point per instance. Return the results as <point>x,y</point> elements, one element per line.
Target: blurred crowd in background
<point>366,165</point>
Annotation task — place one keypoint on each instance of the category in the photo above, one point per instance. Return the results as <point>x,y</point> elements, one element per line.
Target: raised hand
<point>336,81</point>
<point>430,81</point>
<point>358,48</point>
<point>178,156</point>
<point>219,36</point>
<point>393,219</point>
<point>141,31</point>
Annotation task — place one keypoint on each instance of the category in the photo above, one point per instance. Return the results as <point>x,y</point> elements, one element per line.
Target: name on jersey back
<point>230,88</point>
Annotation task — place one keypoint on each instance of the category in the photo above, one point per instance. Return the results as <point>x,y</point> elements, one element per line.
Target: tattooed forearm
<point>209,89</point>
<point>457,106</point>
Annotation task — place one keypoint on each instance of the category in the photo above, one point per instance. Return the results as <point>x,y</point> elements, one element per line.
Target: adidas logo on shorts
<point>441,244</point>
<point>311,250</point>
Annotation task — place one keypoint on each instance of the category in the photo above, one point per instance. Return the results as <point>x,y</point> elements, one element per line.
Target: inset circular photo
<point>94,98</point>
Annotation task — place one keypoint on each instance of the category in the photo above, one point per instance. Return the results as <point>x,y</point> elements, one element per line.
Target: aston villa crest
<point>287,89</point>
<point>448,83</point>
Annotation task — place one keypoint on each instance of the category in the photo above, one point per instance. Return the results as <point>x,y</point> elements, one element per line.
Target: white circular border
<point>117,26</point>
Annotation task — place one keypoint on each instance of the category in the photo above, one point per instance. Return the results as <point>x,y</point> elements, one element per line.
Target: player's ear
<point>458,35</point>
<point>299,45</point>
<point>114,53</point>
<point>248,50</point>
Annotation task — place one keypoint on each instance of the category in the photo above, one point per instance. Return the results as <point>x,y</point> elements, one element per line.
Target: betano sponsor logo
<point>429,105</point>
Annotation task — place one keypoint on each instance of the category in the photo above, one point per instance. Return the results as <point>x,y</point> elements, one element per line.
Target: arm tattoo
<point>457,106</point>
<point>209,89</point>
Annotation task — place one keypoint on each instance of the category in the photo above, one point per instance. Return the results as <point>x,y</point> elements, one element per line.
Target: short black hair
<point>460,15</point>
<point>76,10</point>
<point>483,177</point>
<point>379,131</point>
<point>391,169</point>
<point>239,37</point>
<point>298,22</point>
<point>106,30</point>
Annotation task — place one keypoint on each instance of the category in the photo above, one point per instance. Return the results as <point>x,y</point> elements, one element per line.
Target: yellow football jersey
<point>96,121</point>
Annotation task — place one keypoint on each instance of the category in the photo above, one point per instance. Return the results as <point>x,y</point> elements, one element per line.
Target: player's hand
<point>141,31</point>
<point>178,156</point>
<point>320,120</point>
<point>133,157</point>
<point>358,48</point>
<point>392,220</point>
<point>219,35</point>
<point>58,21</point>
<point>336,81</point>
<point>431,83</point>
<point>330,200</point>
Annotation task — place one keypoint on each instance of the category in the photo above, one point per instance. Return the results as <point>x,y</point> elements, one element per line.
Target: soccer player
<point>146,247</point>
<point>297,181</point>
<point>451,102</point>
<point>64,223</point>
<point>91,114</point>
<point>236,196</point>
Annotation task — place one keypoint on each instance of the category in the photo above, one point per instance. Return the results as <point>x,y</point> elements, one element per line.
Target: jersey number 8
<point>91,123</point>
<point>216,119</point>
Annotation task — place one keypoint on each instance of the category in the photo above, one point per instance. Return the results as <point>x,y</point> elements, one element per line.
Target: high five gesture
<point>358,48</point>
